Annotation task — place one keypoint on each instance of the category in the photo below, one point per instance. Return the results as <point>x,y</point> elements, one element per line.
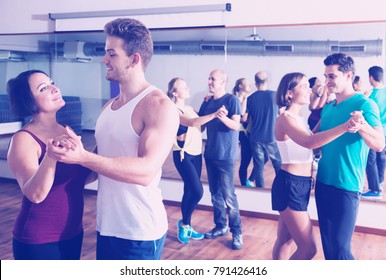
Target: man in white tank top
<point>135,133</point>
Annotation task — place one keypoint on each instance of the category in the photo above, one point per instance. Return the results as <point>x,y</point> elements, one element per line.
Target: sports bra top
<point>292,152</point>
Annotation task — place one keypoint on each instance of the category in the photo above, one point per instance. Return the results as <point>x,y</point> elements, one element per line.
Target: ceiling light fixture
<point>254,36</point>
<point>157,17</point>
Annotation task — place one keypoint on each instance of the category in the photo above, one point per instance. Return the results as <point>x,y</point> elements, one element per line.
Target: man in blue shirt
<point>220,157</point>
<point>341,169</point>
<point>375,168</point>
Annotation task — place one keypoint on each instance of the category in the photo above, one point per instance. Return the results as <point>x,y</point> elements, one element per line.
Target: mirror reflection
<point>73,60</point>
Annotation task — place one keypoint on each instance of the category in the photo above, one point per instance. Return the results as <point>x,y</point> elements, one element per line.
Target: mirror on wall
<point>73,59</point>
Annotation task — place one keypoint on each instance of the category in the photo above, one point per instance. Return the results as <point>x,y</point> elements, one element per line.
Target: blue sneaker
<point>194,234</point>
<point>182,232</point>
<point>372,195</point>
<point>249,183</point>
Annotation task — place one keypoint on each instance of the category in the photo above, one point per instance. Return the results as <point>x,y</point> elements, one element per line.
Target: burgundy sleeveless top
<point>59,216</point>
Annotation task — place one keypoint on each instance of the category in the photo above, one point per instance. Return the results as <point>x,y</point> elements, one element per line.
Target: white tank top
<point>126,210</point>
<point>291,152</point>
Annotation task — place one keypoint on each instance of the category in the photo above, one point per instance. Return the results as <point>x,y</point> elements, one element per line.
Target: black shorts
<point>291,191</point>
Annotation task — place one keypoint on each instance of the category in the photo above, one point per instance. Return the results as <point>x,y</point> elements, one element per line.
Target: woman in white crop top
<point>292,185</point>
<point>242,90</point>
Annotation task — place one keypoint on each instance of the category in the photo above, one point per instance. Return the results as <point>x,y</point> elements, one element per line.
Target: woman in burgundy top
<point>49,224</point>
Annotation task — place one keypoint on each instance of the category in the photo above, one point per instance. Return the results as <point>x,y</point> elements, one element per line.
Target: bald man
<point>262,112</point>
<point>220,157</point>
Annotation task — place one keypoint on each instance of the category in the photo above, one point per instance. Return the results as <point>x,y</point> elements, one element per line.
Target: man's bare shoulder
<point>157,108</point>
<point>157,98</point>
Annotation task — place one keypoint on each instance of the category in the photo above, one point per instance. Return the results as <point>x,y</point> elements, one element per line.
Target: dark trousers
<point>62,250</point>
<point>222,190</point>
<point>190,171</point>
<point>245,158</point>
<point>260,150</point>
<point>375,169</point>
<point>114,248</point>
<point>337,213</point>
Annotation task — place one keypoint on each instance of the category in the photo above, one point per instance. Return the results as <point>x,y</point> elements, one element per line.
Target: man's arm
<point>373,136</point>
<point>232,122</point>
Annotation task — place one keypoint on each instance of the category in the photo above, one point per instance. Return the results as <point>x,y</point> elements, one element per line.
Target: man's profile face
<point>336,81</point>
<point>116,59</point>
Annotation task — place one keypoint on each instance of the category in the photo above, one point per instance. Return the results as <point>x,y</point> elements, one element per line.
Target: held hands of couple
<point>355,122</point>
<point>68,140</point>
<point>66,147</point>
<point>222,112</point>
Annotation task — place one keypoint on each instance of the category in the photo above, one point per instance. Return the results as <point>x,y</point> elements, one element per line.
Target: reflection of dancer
<point>357,85</point>
<point>318,97</point>
<point>49,224</point>
<point>292,185</point>
<point>187,157</point>
<point>262,113</point>
<point>375,168</point>
<point>242,90</point>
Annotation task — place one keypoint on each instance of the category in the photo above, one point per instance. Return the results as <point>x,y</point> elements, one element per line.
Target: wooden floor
<point>258,234</point>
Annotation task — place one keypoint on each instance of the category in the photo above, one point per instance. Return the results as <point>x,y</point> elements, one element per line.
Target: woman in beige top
<point>187,156</point>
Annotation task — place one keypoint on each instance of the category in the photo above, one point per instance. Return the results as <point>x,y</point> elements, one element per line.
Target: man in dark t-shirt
<point>262,113</point>
<point>220,157</point>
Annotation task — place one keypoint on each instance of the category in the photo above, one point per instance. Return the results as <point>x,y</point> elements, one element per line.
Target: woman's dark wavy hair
<point>288,82</point>
<point>136,37</point>
<point>20,96</point>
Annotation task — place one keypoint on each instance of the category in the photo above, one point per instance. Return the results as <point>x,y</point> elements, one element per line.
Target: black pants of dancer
<point>190,171</point>
<point>337,214</point>
<point>61,250</point>
<point>375,169</point>
<point>245,158</point>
